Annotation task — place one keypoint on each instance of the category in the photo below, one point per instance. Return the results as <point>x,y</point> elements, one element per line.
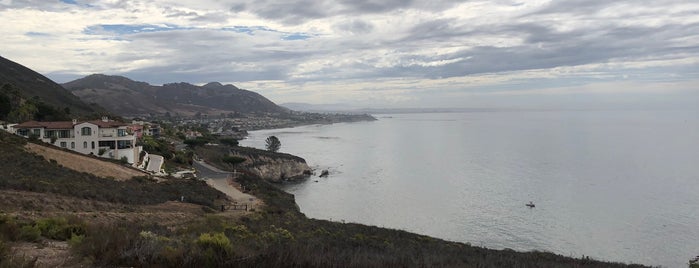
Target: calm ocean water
<point>614,185</point>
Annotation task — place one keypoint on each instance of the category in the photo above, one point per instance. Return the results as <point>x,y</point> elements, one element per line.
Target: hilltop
<point>124,96</point>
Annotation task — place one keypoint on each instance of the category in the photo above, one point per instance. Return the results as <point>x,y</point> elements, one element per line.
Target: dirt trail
<point>223,181</point>
<point>86,164</point>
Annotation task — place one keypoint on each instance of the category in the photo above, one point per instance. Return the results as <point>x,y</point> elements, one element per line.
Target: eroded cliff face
<point>272,166</point>
<point>280,169</point>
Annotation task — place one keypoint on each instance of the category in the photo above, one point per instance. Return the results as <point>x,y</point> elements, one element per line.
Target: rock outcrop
<point>274,167</point>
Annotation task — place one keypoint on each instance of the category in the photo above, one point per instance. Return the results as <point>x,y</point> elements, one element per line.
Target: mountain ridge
<point>180,97</point>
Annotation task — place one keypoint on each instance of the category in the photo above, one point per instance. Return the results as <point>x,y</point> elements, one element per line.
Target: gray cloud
<point>304,41</point>
<point>299,11</point>
<point>355,26</point>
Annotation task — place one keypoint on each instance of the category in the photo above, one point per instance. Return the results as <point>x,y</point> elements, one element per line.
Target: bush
<point>219,242</point>
<point>9,228</point>
<point>30,233</point>
<point>199,141</point>
<point>59,229</point>
<point>233,160</point>
<point>229,141</point>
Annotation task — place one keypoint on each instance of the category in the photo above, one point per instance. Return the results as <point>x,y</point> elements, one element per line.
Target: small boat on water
<point>530,204</point>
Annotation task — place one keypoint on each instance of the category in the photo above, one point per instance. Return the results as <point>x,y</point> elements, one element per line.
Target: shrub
<point>219,242</point>
<point>30,233</point>
<point>59,229</point>
<point>233,160</point>
<point>9,228</point>
<point>199,141</point>
<point>229,141</point>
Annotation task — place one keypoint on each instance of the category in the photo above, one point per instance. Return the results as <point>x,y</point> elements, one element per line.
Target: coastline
<point>324,186</point>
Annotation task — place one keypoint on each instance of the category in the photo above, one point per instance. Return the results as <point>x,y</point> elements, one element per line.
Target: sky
<point>567,54</point>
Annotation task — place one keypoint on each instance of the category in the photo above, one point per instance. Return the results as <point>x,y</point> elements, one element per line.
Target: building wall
<point>89,144</point>
<point>84,143</point>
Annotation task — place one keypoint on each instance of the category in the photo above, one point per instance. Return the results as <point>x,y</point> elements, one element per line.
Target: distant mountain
<point>308,107</point>
<point>31,84</point>
<point>124,96</point>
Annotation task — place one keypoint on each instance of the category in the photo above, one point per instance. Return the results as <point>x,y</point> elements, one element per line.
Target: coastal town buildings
<point>104,138</point>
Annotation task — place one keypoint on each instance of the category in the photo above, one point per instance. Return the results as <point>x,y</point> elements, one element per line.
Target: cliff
<point>273,167</point>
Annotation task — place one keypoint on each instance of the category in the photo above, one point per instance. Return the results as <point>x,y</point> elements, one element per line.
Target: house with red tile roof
<point>104,138</point>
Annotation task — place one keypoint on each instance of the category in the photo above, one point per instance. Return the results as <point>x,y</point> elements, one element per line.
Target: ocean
<point>618,186</point>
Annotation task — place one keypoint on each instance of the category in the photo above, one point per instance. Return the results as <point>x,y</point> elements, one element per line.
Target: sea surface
<point>614,185</point>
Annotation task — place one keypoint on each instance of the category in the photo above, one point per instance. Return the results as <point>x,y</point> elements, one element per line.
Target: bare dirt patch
<point>86,164</point>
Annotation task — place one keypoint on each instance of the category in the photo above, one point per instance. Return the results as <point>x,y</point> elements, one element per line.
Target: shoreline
<point>316,167</point>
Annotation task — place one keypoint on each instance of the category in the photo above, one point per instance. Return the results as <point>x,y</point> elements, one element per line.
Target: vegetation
<point>15,108</point>
<point>233,160</point>
<point>198,141</point>
<point>32,85</point>
<point>156,146</point>
<point>228,141</point>
<point>272,144</point>
<point>38,175</point>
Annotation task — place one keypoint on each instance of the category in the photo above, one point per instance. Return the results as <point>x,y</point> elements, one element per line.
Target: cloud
<point>345,46</point>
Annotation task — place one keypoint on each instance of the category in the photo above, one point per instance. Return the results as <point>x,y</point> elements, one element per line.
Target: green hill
<point>20,84</point>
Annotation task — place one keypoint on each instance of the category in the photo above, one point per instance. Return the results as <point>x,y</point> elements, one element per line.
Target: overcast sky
<point>394,53</point>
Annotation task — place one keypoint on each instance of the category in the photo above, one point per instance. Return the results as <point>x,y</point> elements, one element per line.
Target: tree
<point>273,144</point>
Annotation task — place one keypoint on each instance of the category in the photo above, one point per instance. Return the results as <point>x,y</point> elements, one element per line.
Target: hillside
<point>84,163</point>
<point>30,84</point>
<point>137,98</point>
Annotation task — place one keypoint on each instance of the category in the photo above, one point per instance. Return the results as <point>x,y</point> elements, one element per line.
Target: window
<point>50,133</point>
<point>93,145</point>
<point>64,133</point>
<point>37,132</point>
<point>72,145</point>
<point>84,145</point>
<point>121,132</point>
<point>23,132</point>
<point>86,131</point>
<point>63,144</point>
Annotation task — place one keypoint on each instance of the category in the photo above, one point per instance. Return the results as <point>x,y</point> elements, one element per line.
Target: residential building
<point>104,138</point>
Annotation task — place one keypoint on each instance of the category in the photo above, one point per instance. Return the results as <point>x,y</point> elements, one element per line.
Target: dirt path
<point>222,181</point>
<point>86,164</point>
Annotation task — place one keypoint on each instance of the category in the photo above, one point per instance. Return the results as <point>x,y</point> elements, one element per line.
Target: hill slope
<point>136,98</point>
<point>30,84</point>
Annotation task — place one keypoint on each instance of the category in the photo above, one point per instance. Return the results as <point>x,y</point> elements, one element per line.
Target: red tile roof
<point>110,123</point>
<point>68,124</point>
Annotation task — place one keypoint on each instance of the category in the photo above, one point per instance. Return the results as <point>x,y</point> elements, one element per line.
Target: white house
<point>105,138</point>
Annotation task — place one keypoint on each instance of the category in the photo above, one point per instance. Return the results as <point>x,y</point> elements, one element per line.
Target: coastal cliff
<point>272,167</point>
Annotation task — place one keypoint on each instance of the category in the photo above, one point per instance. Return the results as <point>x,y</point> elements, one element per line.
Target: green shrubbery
<point>228,141</point>
<point>52,228</point>
<point>232,160</point>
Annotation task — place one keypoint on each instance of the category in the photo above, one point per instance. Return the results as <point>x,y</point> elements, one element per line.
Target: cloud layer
<point>367,52</point>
